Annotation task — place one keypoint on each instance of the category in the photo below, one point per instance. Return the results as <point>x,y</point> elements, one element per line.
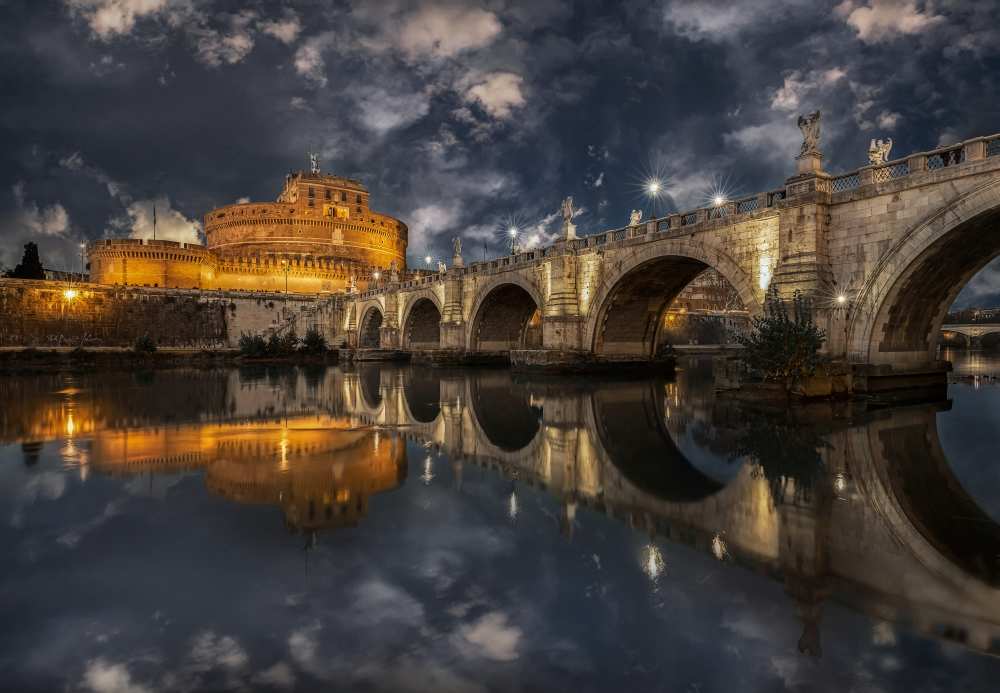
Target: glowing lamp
<point>512,231</point>
<point>841,299</point>
<point>719,200</point>
<point>427,259</point>
<point>653,188</point>
<point>70,294</point>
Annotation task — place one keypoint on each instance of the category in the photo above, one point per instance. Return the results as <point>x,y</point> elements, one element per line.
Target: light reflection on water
<point>265,529</point>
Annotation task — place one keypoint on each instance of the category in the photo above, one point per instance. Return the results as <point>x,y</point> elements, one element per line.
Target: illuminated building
<point>317,236</point>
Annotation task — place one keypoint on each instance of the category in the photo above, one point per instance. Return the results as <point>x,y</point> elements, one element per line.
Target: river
<point>401,528</point>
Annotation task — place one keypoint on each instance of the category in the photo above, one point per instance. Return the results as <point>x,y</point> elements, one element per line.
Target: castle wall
<point>44,313</point>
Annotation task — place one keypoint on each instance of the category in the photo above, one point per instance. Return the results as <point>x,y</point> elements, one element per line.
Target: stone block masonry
<point>45,313</point>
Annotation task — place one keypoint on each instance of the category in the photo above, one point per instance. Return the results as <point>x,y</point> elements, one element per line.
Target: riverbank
<point>36,359</point>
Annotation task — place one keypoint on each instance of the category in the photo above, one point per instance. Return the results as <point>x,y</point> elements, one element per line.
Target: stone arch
<point>369,327</point>
<point>506,315</point>
<point>503,411</point>
<point>902,305</point>
<point>628,418</point>
<point>422,321</point>
<point>642,284</point>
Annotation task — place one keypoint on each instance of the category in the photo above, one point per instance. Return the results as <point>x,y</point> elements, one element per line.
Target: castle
<point>319,236</point>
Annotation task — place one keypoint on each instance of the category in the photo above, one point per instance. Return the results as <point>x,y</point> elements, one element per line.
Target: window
<point>359,198</point>
<point>343,196</point>
<point>328,193</point>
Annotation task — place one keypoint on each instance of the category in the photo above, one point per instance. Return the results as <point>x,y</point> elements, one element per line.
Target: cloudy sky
<point>460,116</point>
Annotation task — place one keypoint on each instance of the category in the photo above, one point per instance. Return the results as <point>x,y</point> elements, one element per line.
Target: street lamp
<point>285,268</point>
<point>512,232</point>
<point>654,186</point>
<point>719,200</point>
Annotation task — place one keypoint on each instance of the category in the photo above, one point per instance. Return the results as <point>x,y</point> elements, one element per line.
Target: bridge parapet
<point>865,245</point>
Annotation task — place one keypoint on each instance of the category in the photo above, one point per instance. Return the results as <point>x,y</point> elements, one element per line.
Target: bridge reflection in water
<point>839,504</point>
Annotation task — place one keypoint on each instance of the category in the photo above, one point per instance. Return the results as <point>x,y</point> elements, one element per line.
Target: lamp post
<point>654,186</point>
<point>286,269</point>
<point>512,232</point>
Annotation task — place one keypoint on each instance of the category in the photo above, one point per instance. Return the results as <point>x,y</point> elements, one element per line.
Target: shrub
<point>314,342</point>
<point>782,346</point>
<point>252,345</point>
<point>144,345</point>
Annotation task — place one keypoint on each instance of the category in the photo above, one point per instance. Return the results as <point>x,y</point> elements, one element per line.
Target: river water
<point>396,528</point>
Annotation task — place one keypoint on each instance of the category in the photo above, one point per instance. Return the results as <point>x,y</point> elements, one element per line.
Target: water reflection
<point>838,504</point>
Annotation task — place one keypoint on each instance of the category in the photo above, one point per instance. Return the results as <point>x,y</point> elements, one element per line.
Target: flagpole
<point>154,221</point>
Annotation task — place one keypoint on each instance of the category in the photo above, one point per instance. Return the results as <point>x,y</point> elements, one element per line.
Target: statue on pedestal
<point>635,217</point>
<point>456,258</point>
<point>394,271</point>
<point>442,268</point>
<point>314,162</point>
<point>810,127</point>
<point>878,151</point>
<point>568,227</point>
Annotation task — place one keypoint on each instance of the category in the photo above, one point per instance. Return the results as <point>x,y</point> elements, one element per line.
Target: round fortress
<point>320,235</point>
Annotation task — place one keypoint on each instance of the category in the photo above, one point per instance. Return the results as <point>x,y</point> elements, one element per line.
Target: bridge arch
<point>422,321</point>
<point>503,411</point>
<point>369,327</point>
<point>506,314</point>
<point>902,305</point>
<point>631,298</point>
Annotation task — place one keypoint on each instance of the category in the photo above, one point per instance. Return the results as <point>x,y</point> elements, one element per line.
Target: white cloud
<point>797,86</point>
<point>722,22</point>
<point>430,221</point>
<point>285,30</point>
<point>171,225</point>
<point>443,31</point>
<point>278,676</point>
<point>103,677</point>
<point>209,651</point>
<point>309,61</point>
<point>499,93</point>
<point>110,18</point>
<point>888,119</point>
<point>886,19</point>
<point>491,637</point>
<point>215,48</point>
<point>45,221</point>
<point>776,140</point>
<point>382,111</point>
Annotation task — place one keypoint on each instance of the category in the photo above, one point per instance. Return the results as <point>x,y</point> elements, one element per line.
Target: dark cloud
<point>459,115</point>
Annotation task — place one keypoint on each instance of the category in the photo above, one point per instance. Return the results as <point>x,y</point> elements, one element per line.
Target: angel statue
<point>809,125</point>
<point>569,228</point>
<point>314,162</point>
<point>393,271</point>
<point>635,217</point>
<point>878,151</point>
<point>567,211</point>
<point>456,244</point>
<point>442,268</point>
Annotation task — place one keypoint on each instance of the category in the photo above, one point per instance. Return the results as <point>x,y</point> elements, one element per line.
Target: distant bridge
<point>883,251</point>
<point>972,331</point>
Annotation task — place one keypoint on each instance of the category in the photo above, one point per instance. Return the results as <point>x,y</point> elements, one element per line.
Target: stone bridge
<point>882,251</point>
<point>973,332</point>
<point>885,527</point>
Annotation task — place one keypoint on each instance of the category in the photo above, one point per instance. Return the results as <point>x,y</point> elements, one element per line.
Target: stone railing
<point>971,150</point>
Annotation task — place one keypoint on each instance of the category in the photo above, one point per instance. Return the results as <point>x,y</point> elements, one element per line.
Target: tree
<point>314,342</point>
<point>30,267</point>
<point>784,347</point>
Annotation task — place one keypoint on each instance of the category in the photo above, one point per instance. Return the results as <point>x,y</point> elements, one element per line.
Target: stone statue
<point>314,162</point>
<point>809,125</point>
<point>442,268</point>
<point>456,243</point>
<point>569,228</point>
<point>635,217</point>
<point>878,151</point>
<point>393,271</point>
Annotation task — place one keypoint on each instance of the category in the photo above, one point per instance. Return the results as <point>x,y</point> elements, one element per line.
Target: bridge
<point>973,332</point>
<point>882,251</point>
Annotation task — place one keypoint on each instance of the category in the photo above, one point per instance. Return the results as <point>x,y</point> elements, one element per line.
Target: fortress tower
<point>319,234</point>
